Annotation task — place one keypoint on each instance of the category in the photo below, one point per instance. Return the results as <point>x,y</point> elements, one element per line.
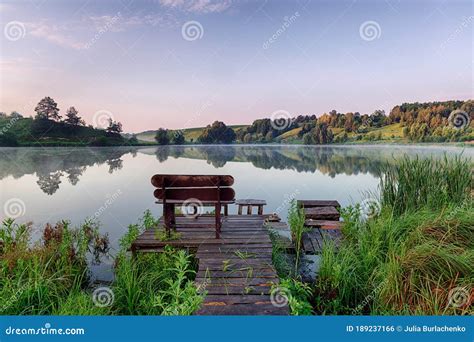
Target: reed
<point>406,259</point>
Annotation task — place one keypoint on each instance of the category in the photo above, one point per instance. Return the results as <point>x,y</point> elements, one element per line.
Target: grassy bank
<point>51,276</point>
<point>414,255</point>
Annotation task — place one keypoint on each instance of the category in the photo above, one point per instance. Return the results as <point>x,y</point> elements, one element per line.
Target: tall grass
<point>420,183</point>
<point>296,220</point>
<point>408,258</point>
<point>36,277</point>
<point>51,276</point>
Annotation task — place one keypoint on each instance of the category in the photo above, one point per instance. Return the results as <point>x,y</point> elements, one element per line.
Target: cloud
<point>66,35</point>
<point>198,6</point>
<point>54,34</point>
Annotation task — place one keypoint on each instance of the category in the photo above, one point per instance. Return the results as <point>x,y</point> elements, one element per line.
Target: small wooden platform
<point>322,220</point>
<point>235,271</point>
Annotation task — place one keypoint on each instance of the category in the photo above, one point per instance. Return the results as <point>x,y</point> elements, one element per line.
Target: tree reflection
<point>50,165</point>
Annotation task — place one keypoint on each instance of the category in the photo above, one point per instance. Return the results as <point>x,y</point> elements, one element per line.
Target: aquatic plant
<point>414,255</point>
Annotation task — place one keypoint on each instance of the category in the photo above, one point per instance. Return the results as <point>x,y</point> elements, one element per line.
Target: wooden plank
<point>322,213</point>
<point>317,203</point>
<point>246,309</point>
<point>211,300</point>
<point>203,282</point>
<point>201,194</point>
<point>190,181</point>
<point>249,272</point>
<point>237,289</point>
<point>249,201</point>
<point>235,271</point>
<point>323,224</point>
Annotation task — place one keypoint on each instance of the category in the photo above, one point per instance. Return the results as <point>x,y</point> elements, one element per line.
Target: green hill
<point>190,134</point>
<point>30,132</point>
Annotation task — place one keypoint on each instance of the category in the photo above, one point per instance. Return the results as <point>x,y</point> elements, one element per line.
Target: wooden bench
<point>250,203</point>
<point>193,191</point>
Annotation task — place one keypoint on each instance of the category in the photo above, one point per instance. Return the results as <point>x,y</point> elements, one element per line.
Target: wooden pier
<point>235,271</point>
<point>322,221</point>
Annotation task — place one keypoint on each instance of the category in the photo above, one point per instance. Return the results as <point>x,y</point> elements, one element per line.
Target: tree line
<point>417,122</point>
<point>48,126</point>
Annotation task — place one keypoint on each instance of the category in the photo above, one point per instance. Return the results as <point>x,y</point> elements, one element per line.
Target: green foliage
<point>155,284</point>
<point>178,138</point>
<point>321,134</point>
<point>297,294</point>
<point>217,133</point>
<point>47,129</point>
<point>162,137</point>
<point>52,276</point>
<point>406,259</point>
<point>47,109</point>
<point>296,219</point>
<point>412,184</point>
<point>37,278</point>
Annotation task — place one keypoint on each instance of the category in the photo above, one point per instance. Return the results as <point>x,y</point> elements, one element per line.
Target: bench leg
<point>168,213</point>
<point>240,209</point>
<point>173,216</point>
<point>226,210</point>
<point>260,209</point>
<point>218,221</point>
<point>249,210</point>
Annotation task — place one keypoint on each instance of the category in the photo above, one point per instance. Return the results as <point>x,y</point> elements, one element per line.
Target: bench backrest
<point>206,188</point>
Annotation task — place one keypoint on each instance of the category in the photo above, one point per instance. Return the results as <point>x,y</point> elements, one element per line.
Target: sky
<point>182,64</point>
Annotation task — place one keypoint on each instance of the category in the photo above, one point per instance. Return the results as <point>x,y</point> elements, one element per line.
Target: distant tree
<point>73,118</point>
<point>47,109</point>
<point>321,134</point>
<point>349,124</point>
<point>15,115</point>
<point>133,140</point>
<point>3,115</point>
<point>178,138</point>
<point>114,127</point>
<point>377,118</point>
<point>217,133</point>
<point>162,137</point>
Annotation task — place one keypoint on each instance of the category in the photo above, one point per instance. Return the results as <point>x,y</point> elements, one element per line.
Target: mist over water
<point>112,185</point>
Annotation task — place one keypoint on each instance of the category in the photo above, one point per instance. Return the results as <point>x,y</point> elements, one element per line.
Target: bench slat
<point>191,181</point>
<point>202,194</point>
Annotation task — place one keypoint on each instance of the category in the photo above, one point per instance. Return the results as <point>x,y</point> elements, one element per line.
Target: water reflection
<point>52,166</point>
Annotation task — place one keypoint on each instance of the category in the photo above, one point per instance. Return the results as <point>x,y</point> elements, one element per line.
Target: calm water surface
<point>113,184</point>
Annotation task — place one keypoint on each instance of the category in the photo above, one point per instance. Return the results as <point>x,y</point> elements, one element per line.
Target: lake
<point>113,184</point>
